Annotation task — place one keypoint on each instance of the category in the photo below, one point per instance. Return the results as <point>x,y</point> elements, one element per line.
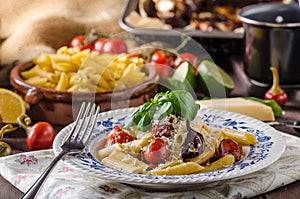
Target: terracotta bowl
<point>60,107</point>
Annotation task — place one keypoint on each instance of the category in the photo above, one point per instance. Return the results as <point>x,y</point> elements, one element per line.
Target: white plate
<point>270,145</point>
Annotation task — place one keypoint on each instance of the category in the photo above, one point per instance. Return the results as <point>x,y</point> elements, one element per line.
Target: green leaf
<point>179,102</point>
<point>137,115</point>
<point>184,104</point>
<point>163,111</point>
<point>144,123</point>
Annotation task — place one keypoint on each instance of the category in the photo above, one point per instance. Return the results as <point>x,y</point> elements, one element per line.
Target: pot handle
<point>33,96</point>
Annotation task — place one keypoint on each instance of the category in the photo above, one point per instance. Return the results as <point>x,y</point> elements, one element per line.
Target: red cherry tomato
<point>40,136</point>
<point>187,57</point>
<point>114,46</point>
<point>156,152</point>
<point>99,44</point>
<point>227,147</point>
<point>118,135</point>
<point>163,57</point>
<point>164,62</point>
<point>82,43</point>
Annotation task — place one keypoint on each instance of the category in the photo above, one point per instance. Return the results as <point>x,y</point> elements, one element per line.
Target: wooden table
<point>243,88</point>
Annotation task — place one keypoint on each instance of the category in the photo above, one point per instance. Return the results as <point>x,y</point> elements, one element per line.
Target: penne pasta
<point>125,162</point>
<point>179,169</point>
<point>63,82</point>
<point>86,71</point>
<point>221,163</point>
<point>241,138</point>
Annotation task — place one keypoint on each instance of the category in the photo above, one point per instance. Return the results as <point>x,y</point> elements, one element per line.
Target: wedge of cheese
<point>239,105</point>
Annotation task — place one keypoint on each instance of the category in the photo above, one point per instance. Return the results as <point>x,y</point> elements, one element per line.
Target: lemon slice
<point>11,106</point>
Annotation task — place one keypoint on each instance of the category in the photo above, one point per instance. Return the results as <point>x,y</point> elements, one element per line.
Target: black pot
<point>272,38</point>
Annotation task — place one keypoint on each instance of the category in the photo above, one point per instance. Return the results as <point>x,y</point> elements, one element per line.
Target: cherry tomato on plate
<point>118,135</point>
<point>82,43</point>
<point>229,147</point>
<point>157,151</point>
<point>40,136</point>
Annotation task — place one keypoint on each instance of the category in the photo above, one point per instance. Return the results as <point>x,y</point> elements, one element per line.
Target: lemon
<point>11,106</point>
<point>213,80</point>
<point>185,73</point>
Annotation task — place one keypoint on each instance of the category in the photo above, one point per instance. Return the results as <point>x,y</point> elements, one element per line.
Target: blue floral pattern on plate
<point>268,149</point>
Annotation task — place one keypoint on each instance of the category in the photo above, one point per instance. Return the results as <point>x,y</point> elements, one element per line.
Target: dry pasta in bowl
<point>52,84</point>
<point>73,70</point>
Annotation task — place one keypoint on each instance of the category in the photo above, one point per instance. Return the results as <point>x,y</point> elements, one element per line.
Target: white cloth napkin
<point>24,168</point>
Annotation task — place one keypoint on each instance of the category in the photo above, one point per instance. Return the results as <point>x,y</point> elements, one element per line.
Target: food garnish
<point>178,102</point>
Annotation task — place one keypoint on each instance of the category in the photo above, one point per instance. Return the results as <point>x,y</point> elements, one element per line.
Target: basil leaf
<point>144,123</point>
<point>179,102</point>
<point>163,111</point>
<point>184,104</point>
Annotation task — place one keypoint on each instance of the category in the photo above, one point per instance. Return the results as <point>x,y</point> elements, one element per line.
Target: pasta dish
<point>172,145</point>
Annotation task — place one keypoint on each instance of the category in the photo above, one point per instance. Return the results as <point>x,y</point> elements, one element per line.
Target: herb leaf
<point>179,102</point>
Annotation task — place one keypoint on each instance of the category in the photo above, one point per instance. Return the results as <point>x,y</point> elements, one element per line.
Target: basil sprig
<point>177,102</point>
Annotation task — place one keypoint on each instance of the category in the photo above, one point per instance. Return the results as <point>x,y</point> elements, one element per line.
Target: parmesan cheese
<point>242,106</point>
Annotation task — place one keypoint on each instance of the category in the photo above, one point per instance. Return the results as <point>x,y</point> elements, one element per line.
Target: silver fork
<point>76,141</point>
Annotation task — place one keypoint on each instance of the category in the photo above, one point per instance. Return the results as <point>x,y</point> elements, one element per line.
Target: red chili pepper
<point>275,92</point>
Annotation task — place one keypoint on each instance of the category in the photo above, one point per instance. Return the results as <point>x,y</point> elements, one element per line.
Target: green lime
<point>185,72</point>
<point>213,80</point>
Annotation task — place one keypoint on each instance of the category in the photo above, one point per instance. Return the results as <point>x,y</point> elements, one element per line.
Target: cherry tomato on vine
<point>163,57</point>
<point>113,46</point>
<point>164,62</point>
<point>157,151</point>
<point>227,147</point>
<point>118,135</point>
<point>40,136</point>
<point>82,43</point>
<point>99,44</point>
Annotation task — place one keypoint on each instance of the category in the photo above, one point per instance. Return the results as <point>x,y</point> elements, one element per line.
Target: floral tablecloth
<point>64,182</point>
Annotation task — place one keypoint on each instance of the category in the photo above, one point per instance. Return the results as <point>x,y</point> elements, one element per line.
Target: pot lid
<point>271,14</point>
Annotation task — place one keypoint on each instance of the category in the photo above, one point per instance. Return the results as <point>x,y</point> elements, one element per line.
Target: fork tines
<point>84,123</point>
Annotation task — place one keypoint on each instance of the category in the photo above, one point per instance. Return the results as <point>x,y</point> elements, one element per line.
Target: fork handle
<point>33,190</point>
